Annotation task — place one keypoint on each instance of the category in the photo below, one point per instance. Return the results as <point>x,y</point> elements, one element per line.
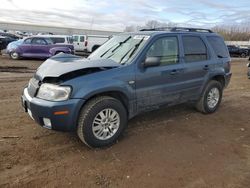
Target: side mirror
<point>152,62</point>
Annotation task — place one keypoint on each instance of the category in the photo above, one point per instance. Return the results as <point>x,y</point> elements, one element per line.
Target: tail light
<point>86,43</point>
<point>228,66</point>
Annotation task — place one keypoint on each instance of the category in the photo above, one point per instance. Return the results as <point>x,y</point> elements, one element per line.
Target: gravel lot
<point>174,147</point>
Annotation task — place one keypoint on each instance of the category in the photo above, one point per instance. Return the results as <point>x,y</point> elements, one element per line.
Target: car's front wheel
<point>14,55</point>
<point>211,97</point>
<point>101,121</point>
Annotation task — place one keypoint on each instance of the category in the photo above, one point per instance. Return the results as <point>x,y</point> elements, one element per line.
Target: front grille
<point>33,87</point>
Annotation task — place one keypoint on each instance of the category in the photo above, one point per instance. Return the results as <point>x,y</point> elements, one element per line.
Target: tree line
<point>236,32</point>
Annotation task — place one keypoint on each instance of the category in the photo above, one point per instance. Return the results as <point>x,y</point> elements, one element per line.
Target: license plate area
<point>26,109</point>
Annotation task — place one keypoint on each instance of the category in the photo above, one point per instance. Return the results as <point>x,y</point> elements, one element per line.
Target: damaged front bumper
<point>61,115</point>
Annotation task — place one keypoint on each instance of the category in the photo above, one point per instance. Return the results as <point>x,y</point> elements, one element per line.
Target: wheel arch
<point>219,78</point>
<point>94,48</point>
<point>115,94</point>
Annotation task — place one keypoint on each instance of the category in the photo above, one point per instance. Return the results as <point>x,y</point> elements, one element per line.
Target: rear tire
<point>211,97</point>
<point>101,122</point>
<point>14,55</point>
<point>243,55</point>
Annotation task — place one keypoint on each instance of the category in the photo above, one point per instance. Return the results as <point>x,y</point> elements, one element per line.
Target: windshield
<point>120,49</point>
<point>15,44</point>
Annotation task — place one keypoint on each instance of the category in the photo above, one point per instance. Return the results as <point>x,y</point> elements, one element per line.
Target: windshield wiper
<point>118,47</point>
<point>108,50</point>
<point>119,44</point>
<point>134,48</point>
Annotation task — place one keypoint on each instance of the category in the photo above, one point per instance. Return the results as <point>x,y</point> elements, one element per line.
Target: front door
<point>39,48</point>
<point>160,85</point>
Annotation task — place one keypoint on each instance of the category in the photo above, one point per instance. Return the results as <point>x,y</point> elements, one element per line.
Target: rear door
<point>197,63</point>
<point>76,42</point>
<point>79,42</point>
<point>160,85</point>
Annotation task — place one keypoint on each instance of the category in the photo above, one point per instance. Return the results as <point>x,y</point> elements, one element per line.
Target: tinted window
<point>218,45</point>
<point>48,40</point>
<point>70,40</point>
<point>58,39</point>
<point>166,48</point>
<point>75,38</point>
<point>38,41</point>
<point>81,38</point>
<point>28,41</point>
<point>194,49</point>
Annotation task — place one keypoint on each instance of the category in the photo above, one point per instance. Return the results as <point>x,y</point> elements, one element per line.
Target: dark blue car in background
<point>130,74</point>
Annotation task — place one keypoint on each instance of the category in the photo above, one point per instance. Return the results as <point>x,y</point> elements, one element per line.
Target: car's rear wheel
<point>101,121</point>
<point>14,55</point>
<point>211,97</point>
<point>243,55</point>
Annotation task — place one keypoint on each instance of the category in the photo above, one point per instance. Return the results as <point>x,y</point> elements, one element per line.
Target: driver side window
<point>166,49</point>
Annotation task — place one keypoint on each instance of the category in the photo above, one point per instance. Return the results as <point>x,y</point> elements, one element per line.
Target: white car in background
<point>88,43</point>
<point>60,39</point>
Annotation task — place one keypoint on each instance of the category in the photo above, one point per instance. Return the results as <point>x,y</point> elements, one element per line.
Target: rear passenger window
<point>57,39</point>
<point>38,41</point>
<point>218,45</point>
<point>167,49</point>
<point>81,38</point>
<point>194,49</point>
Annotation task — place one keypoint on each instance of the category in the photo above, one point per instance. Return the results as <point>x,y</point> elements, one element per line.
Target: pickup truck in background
<point>88,43</point>
<point>236,51</point>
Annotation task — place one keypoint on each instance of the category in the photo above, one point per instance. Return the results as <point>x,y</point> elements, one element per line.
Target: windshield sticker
<point>139,37</point>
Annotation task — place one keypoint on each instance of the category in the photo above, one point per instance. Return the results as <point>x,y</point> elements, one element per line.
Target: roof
<point>63,36</point>
<point>179,30</point>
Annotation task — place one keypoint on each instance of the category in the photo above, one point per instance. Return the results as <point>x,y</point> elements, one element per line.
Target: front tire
<point>102,120</point>
<point>14,55</point>
<point>211,97</point>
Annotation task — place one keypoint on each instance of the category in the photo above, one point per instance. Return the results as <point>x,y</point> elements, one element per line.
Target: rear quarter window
<point>218,46</point>
<point>58,40</point>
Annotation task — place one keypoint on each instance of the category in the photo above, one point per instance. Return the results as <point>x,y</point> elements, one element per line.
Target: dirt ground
<point>174,147</point>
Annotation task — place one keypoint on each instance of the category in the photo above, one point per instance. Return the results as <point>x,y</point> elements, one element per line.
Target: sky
<point>116,15</point>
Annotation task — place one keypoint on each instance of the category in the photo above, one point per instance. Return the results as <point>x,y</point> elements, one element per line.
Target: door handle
<point>175,71</point>
<point>206,67</point>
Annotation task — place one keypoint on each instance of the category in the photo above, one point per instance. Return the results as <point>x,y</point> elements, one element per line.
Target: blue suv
<point>129,74</point>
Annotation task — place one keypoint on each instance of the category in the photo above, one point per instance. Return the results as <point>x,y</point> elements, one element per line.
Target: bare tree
<point>234,32</point>
<point>151,24</point>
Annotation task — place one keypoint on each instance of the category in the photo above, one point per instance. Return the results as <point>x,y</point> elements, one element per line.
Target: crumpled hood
<point>65,63</point>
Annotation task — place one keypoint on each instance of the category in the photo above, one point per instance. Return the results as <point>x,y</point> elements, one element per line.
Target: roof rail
<point>175,29</point>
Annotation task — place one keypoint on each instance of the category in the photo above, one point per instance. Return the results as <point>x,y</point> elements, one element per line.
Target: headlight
<point>53,92</point>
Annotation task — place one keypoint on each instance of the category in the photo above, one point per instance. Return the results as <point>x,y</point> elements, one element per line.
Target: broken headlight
<point>53,92</point>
